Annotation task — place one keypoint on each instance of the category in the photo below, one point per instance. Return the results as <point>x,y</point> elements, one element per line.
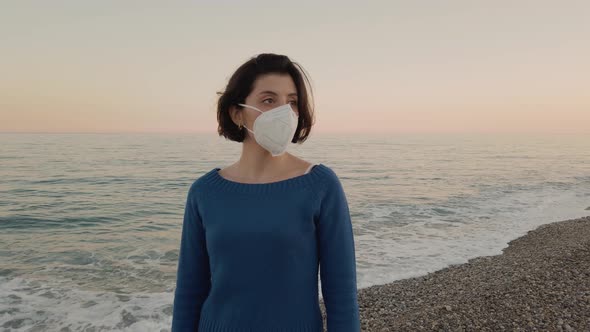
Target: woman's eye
<point>293,102</point>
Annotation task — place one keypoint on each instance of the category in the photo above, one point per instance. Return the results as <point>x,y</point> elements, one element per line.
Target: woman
<point>256,232</point>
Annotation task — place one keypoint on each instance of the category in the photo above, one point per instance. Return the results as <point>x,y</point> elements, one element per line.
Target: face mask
<point>274,129</point>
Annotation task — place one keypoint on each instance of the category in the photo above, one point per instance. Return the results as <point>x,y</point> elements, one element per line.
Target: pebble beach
<point>540,282</point>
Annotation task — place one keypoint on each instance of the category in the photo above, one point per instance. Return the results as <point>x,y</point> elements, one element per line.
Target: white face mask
<point>274,129</point>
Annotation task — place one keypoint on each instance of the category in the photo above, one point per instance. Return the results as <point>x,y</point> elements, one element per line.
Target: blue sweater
<point>250,252</point>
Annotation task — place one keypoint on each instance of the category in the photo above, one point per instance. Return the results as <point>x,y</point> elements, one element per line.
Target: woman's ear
<point>235,115</point>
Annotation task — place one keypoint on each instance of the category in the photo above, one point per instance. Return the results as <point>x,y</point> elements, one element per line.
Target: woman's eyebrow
<point>274,93</point>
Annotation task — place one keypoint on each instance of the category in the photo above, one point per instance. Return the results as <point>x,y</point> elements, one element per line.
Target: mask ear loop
<point>252,107</point>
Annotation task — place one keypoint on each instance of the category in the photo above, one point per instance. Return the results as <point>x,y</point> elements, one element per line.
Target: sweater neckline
<point>306,179</point>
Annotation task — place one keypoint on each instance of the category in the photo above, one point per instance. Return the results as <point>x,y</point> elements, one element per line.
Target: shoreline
<point>540,281</point>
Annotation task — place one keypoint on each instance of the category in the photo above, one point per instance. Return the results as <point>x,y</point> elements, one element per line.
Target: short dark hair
<point>241,83</point>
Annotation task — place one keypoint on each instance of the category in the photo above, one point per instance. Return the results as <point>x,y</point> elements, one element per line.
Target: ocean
<point>90,223</point>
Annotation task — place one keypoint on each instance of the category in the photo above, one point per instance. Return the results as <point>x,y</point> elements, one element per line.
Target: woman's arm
<point>337,259</point>
<point>193,278</point>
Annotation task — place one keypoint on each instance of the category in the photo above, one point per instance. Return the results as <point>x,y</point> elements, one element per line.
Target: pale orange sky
<point>387,66</point>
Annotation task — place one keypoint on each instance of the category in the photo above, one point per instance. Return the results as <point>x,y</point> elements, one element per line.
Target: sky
<point>375,66</point>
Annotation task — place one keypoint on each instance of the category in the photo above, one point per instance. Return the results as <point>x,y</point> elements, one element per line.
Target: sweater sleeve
<point>337,259</point>
<point>193,280</point>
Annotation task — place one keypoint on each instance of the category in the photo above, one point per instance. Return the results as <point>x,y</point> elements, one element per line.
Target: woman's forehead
<point>274,84</point>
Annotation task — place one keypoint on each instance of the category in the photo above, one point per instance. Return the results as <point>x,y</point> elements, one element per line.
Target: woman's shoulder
<point>327,178</point>
<point>199,182</point>
<point>328,172</point>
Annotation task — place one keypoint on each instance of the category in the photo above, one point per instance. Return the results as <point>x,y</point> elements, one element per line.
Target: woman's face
<point>269,91</point>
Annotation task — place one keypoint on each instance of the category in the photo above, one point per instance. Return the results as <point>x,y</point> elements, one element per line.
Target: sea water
<point>90,223</point>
